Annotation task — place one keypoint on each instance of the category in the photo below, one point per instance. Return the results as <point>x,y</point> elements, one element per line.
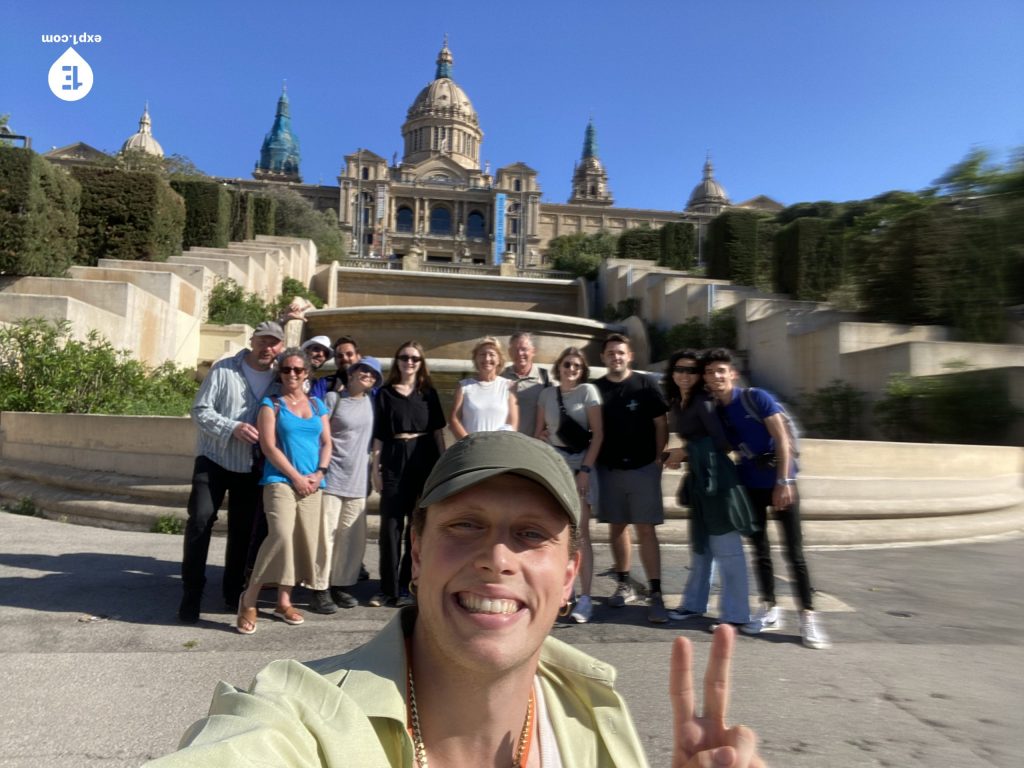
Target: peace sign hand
<point>705,742</point>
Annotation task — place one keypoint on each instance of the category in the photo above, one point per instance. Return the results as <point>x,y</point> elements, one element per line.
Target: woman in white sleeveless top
<point>485,403</point>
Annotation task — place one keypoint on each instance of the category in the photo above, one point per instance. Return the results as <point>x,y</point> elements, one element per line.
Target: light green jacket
<point>350,710</point>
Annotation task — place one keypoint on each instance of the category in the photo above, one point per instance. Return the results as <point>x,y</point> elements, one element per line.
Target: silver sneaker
<point>769,617</point>
<point>624,594</point>
<point>812,633</point>
<point>656,613</point>
<point>583,610</point>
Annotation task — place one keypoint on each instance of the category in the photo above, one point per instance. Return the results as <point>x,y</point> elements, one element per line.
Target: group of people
<point>316,447</point>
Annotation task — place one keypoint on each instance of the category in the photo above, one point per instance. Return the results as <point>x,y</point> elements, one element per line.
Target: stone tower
<point>589,178</point>
<point>279,156</point>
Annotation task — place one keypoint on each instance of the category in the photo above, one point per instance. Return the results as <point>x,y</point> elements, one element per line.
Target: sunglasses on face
<point>572,366</point>
<point>686,369</point>
<point>298,370</point>
<point>409,358</point>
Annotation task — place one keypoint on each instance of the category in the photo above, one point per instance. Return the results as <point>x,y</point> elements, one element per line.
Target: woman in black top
<point>408,439</point>
<point>719,509</point>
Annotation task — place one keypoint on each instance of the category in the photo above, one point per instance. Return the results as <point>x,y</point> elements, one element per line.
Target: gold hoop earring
<point>412,588</point>
<point>565,610</point>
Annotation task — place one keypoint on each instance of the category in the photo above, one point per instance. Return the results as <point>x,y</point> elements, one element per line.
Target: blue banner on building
<point>499,227</point>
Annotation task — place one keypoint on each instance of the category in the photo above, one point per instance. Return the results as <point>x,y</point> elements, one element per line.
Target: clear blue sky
<point>796,100</point>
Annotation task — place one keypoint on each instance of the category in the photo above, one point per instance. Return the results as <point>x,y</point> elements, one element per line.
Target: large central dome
<point>442,121</point>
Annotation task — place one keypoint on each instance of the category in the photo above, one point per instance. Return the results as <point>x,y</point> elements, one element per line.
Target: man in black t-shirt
<point>629,470</point>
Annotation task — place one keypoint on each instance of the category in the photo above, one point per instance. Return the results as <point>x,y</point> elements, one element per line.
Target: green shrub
<point>207,212</point>
<point>622,310</point>
<point>834,412</point>
<point>127,215</point>
<point>290,288</point>
<point>809,258</point>
<point>39,205</point>
<point>739,248</point>
<point>230,303</point>
<point>43,369</point>
<point>640,244</point>
<point>970,408</point>
<point>719,331</point>
<point>24,506</point>
<point>581,254</point>
<point>168,524</point>
<point>294,216</point>
<point>678,246</point>
<point>242,227</point>
<point>263,211</point>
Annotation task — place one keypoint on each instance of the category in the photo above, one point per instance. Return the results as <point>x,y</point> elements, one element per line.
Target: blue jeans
<point>734,603</point>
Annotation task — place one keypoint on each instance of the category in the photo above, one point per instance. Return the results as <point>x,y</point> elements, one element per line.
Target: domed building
<point>142,140</point>
<point>439,205</point>
<point>279,155</point>
<point>708,196</point>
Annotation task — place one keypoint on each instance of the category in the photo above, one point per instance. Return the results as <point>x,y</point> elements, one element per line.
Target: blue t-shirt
<point>742,429</point>
<point>298,439</point>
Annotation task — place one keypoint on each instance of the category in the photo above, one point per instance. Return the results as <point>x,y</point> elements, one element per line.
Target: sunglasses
<point>409,358</point>
<point>572,366</point>
<point>298,370</point>
<point>686,369</point>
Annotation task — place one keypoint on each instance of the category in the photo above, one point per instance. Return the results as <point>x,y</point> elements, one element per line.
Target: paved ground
<point>925,669</point>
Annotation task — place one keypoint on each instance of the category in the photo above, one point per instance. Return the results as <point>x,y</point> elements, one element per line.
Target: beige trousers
<point>286,556</point>
<point>342,541</point>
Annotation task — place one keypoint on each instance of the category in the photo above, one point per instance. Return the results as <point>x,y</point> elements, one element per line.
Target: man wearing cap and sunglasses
<point>224,413</point>
<point>470,675</point>
<point>318,350</point>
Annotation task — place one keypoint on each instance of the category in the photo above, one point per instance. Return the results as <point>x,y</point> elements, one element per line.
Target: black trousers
<point>405,465</point>
<point>210,481</point>
<point>761,499</point>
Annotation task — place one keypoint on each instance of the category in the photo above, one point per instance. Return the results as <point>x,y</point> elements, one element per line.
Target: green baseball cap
<point>483,455</point>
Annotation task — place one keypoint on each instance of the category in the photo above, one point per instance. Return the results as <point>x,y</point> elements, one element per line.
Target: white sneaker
<point>624,594</point>
<point>769,617</point>
<point>812,633</point>
<point>583,610</point>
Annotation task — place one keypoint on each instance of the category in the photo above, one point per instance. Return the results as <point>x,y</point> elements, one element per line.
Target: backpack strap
<point>748,404</point>
<point>545,380</point>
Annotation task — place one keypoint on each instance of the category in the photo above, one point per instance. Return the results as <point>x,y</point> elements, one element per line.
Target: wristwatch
<point>322,470</point>
<point>785,481</point>
<point>586,469</point>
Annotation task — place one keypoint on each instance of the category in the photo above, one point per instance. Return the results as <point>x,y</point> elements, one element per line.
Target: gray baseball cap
<point>484,455</point>
<point>269,328</point>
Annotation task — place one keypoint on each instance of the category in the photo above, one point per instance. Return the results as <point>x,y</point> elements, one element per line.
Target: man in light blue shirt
<point>225,414</point>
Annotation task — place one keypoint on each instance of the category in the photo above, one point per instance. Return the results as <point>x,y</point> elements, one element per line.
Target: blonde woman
<point>485,403</point>
<point>580,401</point>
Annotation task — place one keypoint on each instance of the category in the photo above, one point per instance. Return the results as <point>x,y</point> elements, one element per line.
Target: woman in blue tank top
<point>296,441</point>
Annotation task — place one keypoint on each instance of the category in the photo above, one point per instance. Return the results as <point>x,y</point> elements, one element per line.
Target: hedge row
<point>241,215</point>
<point>263,211</point>
<point>208,218</point>
<point>739,246</point>
<point>39,205</point>
<point>678,246</point>
<point>127,215</point>
<point>808,258</point>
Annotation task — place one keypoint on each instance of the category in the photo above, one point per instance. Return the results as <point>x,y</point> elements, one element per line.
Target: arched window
<point>440,221</point>
<point>517,186</point>
<point>366,173</point>
<point>476,225</point>
<point>403,219</point>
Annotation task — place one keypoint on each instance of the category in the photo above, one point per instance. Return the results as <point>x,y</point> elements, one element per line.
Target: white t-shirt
<point>258,380</point>
<point>484,404</point>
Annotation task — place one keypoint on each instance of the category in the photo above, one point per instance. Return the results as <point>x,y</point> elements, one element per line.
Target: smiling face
<point>361,380</point>
<point>493,568</point>
<point>521,353</point>
<point>616,357</point>
<point>487,360</point>
<point>263,351</point>
<point>570,370</point>
<point>292,371</point>
<point>719,378</point>
<point>317,355</point>
<point>685,379</point>
<point>345,354</point>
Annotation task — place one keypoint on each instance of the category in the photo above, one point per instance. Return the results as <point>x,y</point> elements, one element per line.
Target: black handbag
<point>575,438</point>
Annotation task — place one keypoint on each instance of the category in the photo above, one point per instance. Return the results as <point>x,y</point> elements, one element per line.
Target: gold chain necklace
<point>417,736</point>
